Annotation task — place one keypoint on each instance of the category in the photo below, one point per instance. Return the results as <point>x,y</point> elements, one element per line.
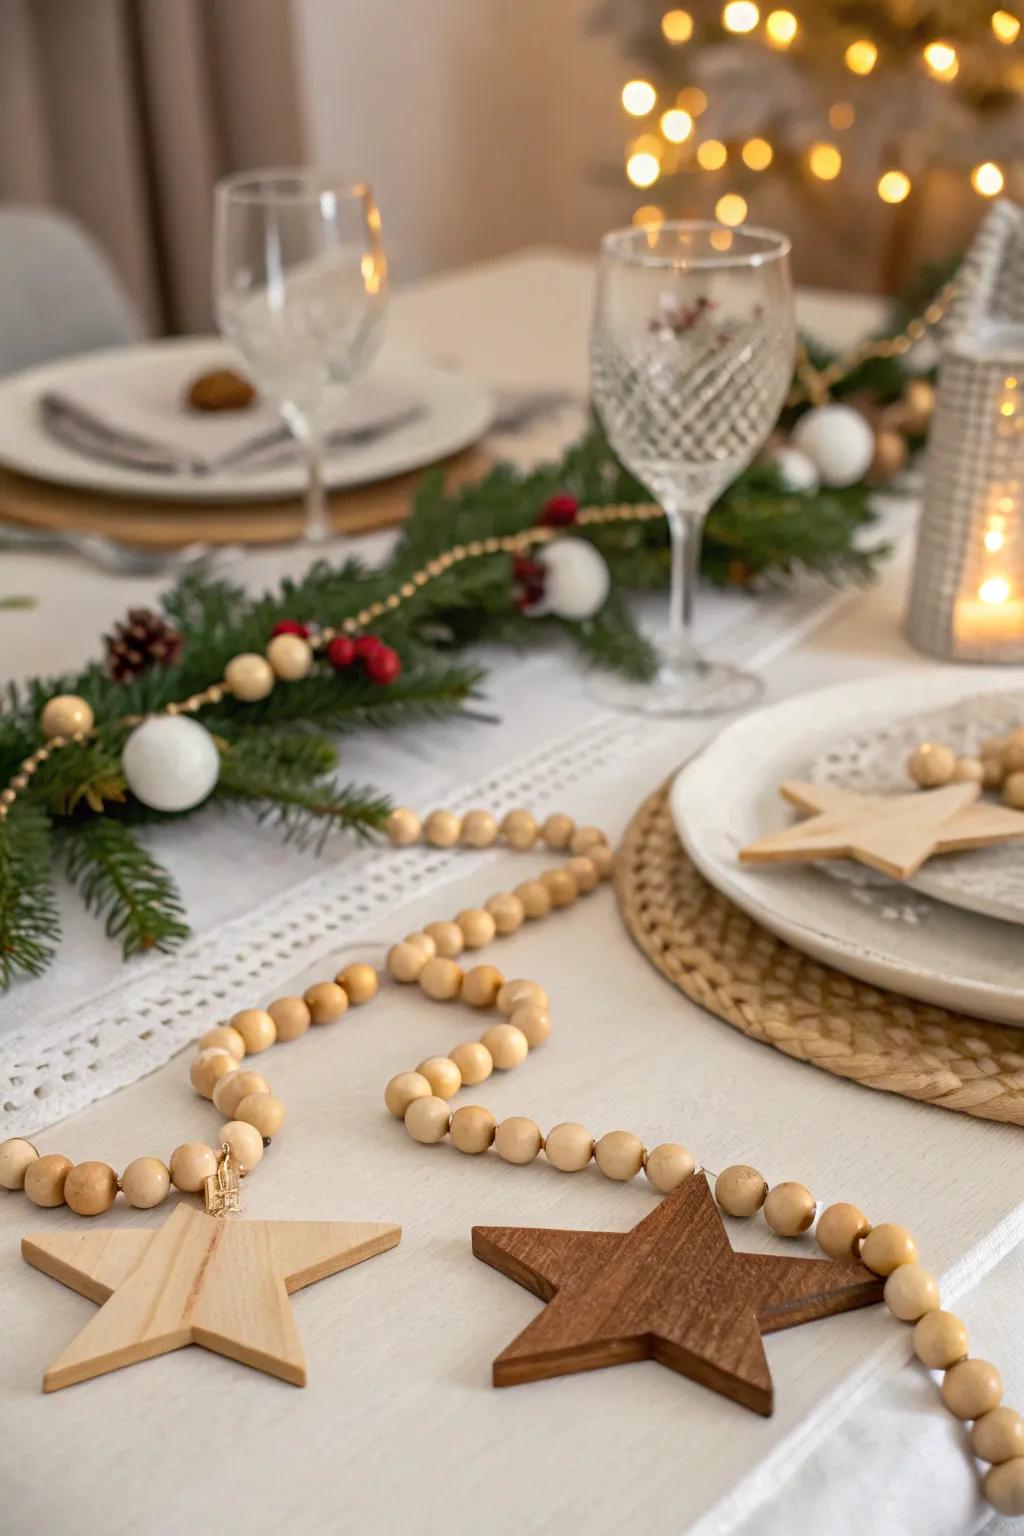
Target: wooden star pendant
<point>199,1279</point>
<point>673,1290</point>
<point>892,833</point>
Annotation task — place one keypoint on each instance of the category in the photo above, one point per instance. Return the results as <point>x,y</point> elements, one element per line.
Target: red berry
<point>558,511</point>
<point>382,665</point>
<point>290,627</point>
<point>368,645</point>
<point>341,652</point>
<point>529,571</point>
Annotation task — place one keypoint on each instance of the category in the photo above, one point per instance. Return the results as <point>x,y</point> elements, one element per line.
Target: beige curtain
<point>125,112</point>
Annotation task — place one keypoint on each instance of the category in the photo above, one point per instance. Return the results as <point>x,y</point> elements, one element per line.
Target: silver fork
<point>121,559</point>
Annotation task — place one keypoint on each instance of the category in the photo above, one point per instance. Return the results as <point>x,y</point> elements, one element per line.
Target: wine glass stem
<point>685,525</point>
<point>318,523</point>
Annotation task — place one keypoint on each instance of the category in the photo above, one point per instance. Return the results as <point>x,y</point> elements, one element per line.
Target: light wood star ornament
<point>672,1290</point>
<point>892,833</point>
<point>220,1283</point>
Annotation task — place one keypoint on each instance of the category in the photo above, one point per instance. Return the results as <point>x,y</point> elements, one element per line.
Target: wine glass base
<point>697,688</point>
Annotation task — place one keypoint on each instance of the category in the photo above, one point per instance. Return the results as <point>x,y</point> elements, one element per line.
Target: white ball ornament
<point>838,441</point>
<point>797,471</point>
<point>576,579</point>
<point>170,763</point>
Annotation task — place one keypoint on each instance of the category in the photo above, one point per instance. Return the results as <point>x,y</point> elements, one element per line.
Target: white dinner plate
<point>888,935</point>
<point>456,411</point>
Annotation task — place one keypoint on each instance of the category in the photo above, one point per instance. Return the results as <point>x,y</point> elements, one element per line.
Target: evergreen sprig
<point>125,887</point>
<point>29,925</point>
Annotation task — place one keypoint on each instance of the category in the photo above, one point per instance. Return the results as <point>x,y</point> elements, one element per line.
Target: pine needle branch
<point>117,879</point>
<point>29,925</point>
<point>307,806</point>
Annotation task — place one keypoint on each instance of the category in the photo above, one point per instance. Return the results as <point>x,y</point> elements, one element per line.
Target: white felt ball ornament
<point>796,470</point>
<point>838,440</point>
<point>170,763</point>
<point>576,579</point>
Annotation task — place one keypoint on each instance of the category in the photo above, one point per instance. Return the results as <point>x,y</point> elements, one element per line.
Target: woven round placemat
<point>718,956</point>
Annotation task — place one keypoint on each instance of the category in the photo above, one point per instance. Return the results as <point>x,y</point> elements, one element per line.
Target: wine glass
<point>300,284</point>
<point>692,354</point>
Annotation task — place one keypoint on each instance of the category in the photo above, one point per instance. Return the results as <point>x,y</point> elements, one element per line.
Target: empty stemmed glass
<point>300,283</point>
<point>691,359</point>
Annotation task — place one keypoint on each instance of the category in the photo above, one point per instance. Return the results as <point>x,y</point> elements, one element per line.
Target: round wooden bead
<point>441,829</point>
<point>441,979</point>
<point>1013,752</point>
<point>257,1029</point>
<point>534,1022</point>
<point>993,746</point>
<point>840,1230</point>
<point>518,1140</point>
<point>223,1038</point>
<point>968,770</point>
<point>479,829</point>
<point>326,1002</point>
<point>401,1091</point>
<point>971,1388</point>
<point>472,1129</point>
<point>535,897</point>
<point>359,981</point>
<point>45,1178</point>
<point>263,1111</point>
<point>557,831</point>
<point>15,1157</point>
<point>740,1190</point>
<point>208,1068</point>
<point>585,838</point>
<point>481,986</point>
<point>423,940</point>
<point>561,886</point>
<point>886,1247</point>
<point>931,764</point>
<point>290,656</point>
<point>520,993</point>
<point>668,1165</point>
<point>291,1016</point>
<point>249,677</point>
<point>619,1155</point>
<point>245,1142</point>
<point>478,927</point>
<point>569,1146</point>
<point>145,1183</point>
<point>910,1292</point>
<point>520,829</point>
<point>236,1086</point>
<point>405,961</point>
<point>66,715</point>
<point>584,871</point>
<point>191,1165</point>
<point>473,1060</point>
<point>993,772</point>
<point>998,1435</point>
<point>940,1340</point>
<point>90,1189</point>
<point>507,910</point>
<point>442,1074</point>
<point>427,1119</point>
<point>1004,1487</point>
<point>1013,791</point>
<point>508,1046</point>
<point>403,827</point>
<point>448,940</point>
<point>789,1209</point>
<point>603,860</point>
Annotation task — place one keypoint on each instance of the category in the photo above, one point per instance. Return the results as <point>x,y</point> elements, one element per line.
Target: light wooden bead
<point>789,1209</point>
<point>441,979</point>
<point>231,1090</point>
<point>44,1179</point>
<point>90,1189</point>
<point>886,1247</point>
<point>441,829</point>
<point>668,1165</point>
<point>145,1183</point>
<point>520,828</point>
<point>359,981</point>
<point>208,1068</point>
<point>65,715</point>
<point>998,1435</point>
<point>518,1140</point>
<point>1004,1487</point>
<point>473,1060</point>
<point>534,1022</point>
<point>15,1157</point>
<point>191,1165</point>
<point>291,1016</point>
<point>249,677</point>
<point>569,1146</point>
<point>1013,752</point>
<point>993,772</point>
<point>401,1091</point>
<point>223,1038</point>
<point>993,746</point>
<point>257,1029</point>
<point>290,656</point>
<point>940,1340</point>
<point>508,1046</point>
<point>968,770</point>
<point>520,993</point>
<point>448,940</point>
<point>405,961</point>
<point>910,1292</point>
<point>442,1074</point>
<point>403,827</point>
<point>740,1190</point>
<point>535,897</point>
<point>971,1388</point>
<point>603,859</point>
<point>245,1142</point>
<point>422,940</point>
<point>561,886</point>
<point>427,1119</point>
<point>479,829</point>
<point>585,838</point>
<point>619,1155</point>
<point>263,1111</point>
<point>481,986</point>
<point>326,1002</point>
<point>584,871</point>
<point>557,831</point>
<point>472,1129</point>
<point>1013,791</point>
<point>478,927</point>
<point>507,910</point>
<point>840,1230</point>
<point>931,764</point>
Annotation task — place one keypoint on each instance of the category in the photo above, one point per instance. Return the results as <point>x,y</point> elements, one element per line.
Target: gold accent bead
<point>64,714</point>
<point>407,589</point>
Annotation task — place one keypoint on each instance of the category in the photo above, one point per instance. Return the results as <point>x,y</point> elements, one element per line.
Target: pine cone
<point>141,641</point>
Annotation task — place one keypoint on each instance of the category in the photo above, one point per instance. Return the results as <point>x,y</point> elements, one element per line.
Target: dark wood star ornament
<point>673,1289</point>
